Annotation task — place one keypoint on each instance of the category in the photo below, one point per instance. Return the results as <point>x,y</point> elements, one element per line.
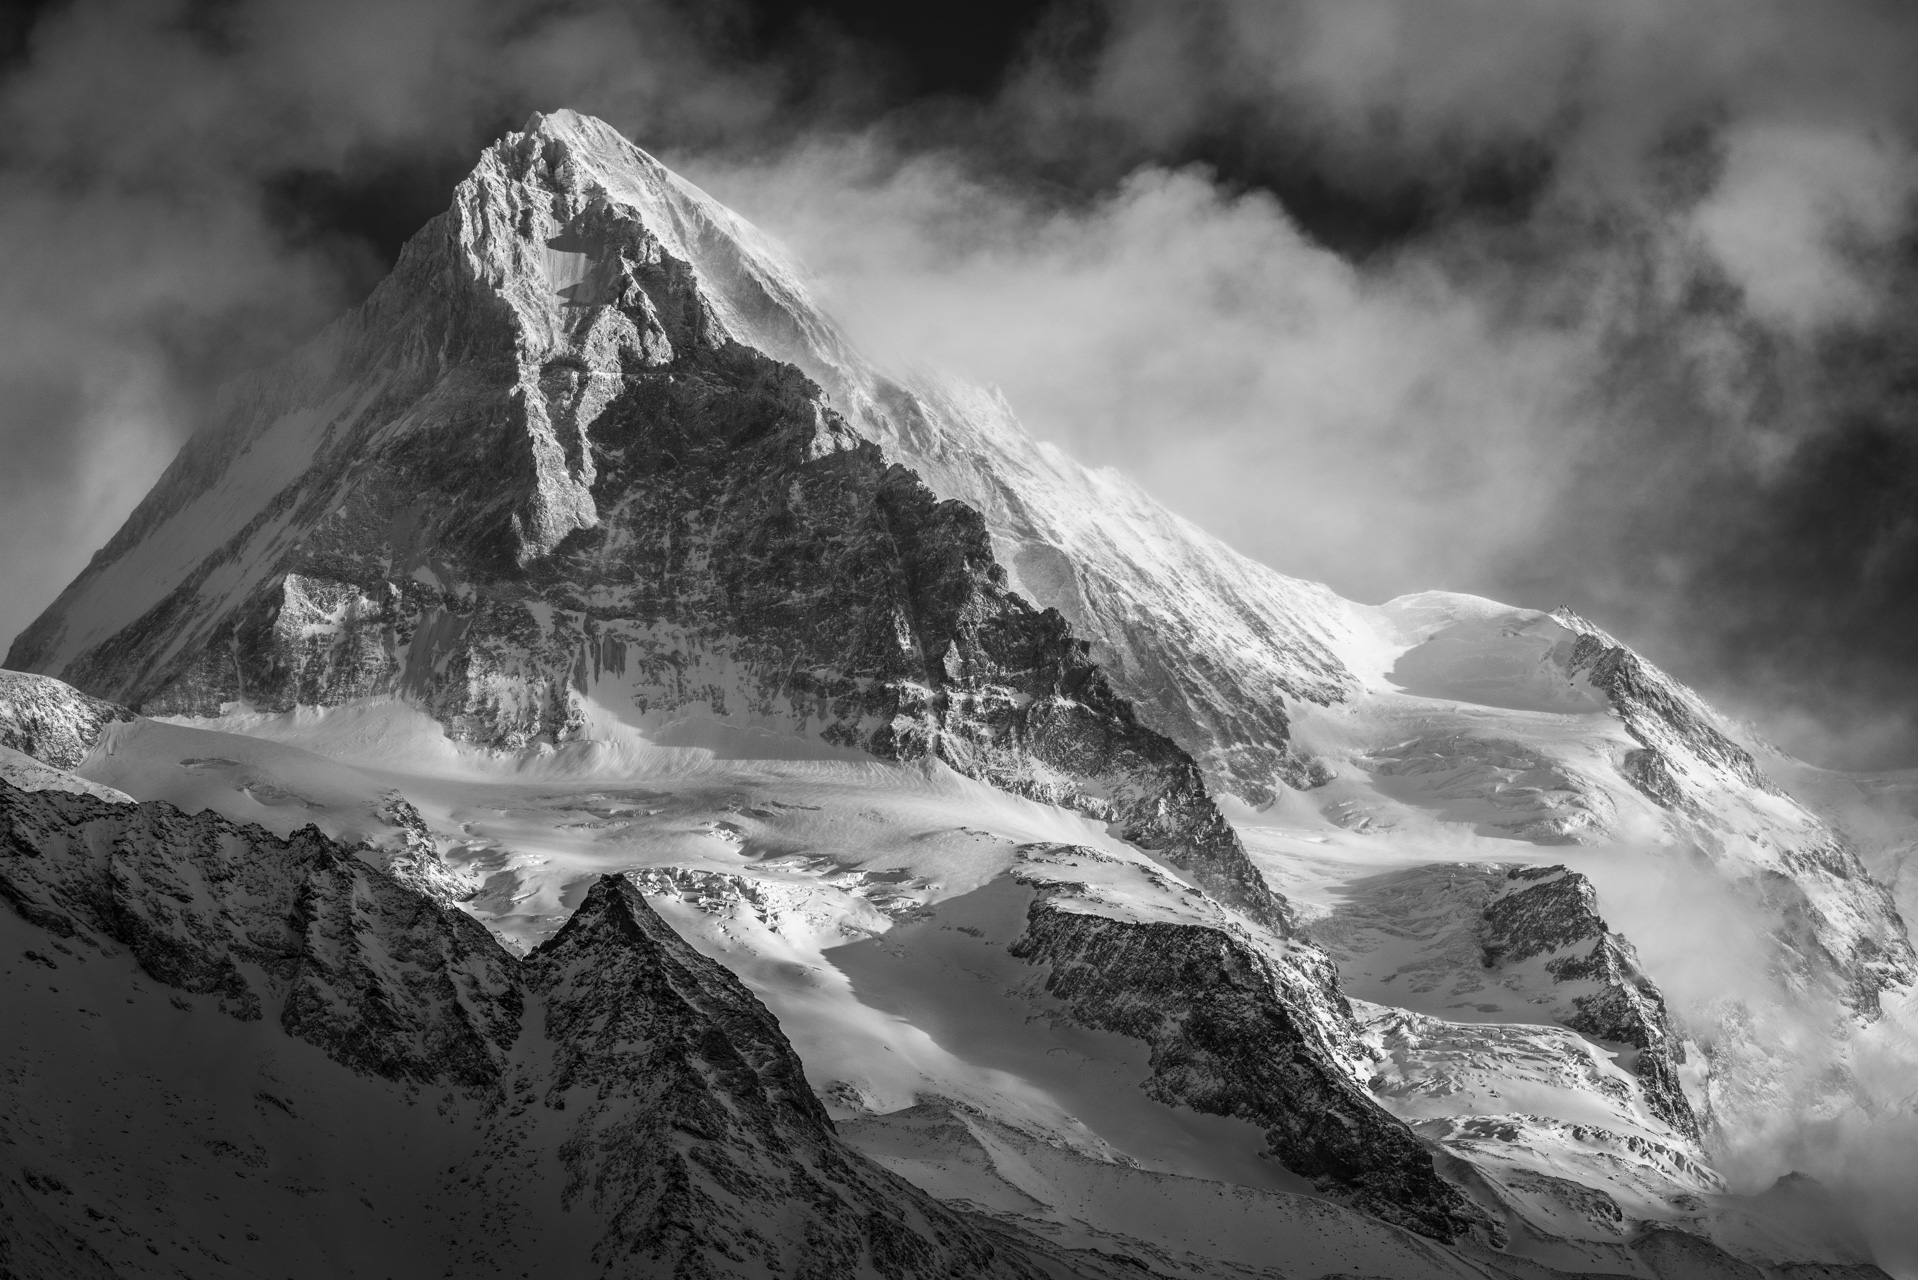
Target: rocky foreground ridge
<point>636,1078</point>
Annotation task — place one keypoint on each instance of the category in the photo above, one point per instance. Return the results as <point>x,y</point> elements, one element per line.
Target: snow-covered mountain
<point>1123,902</point>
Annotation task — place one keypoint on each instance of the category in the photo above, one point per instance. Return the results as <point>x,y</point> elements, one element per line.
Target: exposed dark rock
<point>1551,913</point>
<point>1234,1034</point>
<point>693,1117</point>
<point>51,721</point>
<point>1680,1255</point>
<point>1654,708</point>
<point>346,958</point>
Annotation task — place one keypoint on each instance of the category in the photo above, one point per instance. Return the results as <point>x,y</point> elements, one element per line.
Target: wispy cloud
<point>1630,338</point>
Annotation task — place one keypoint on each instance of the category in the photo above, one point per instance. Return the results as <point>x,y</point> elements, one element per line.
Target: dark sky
<point>1602,305</point>
<point>935,72</point>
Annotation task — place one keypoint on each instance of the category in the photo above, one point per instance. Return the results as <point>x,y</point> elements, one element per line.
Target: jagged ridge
<point>690,1145</point>
<point>1552,912</point>
<point>1831,908</point>
<point>1228,1037</point>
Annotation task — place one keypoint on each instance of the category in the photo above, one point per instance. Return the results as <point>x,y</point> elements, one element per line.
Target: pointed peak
<point>1572,620</point>
<point>613,894</point>
<point>593,144</point>
<point>565,124</point>
<point>612,904</point>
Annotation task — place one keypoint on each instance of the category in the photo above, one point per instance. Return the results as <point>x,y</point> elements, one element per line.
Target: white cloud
<point>1797,214</point>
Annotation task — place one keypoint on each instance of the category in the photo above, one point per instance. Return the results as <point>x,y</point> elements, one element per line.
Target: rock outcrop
<point>1548,917</point>
<point>1524,943</point>
<point>1234,1034</point>
<point>50,720</point>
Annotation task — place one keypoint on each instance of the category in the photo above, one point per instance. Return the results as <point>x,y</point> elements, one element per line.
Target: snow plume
<point>1796,1084</point>
<point>1331,420</point>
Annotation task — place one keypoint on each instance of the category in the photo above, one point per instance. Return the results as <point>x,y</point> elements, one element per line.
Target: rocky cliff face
<point>1234,1034</point>
<point>642,1075</point>
<point>1526,944</point>
<point>1548,917</point>
<point>1213,672</point>
<point>50,720</point>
